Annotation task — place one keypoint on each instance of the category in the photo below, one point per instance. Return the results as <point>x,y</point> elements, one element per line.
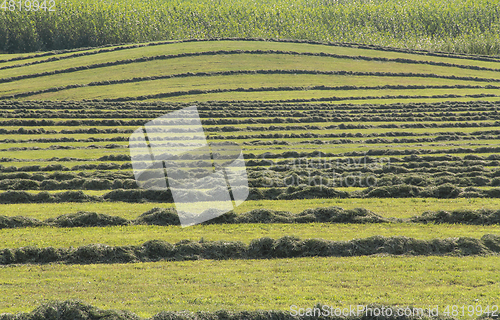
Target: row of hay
<point>23,130</point>
<point>263,248</point>
<point>79,310</point>
<point>480,134</point>
<point>169,216</point>
<point>337,177</point>
<point>44,110</point>
<point>446,190</point>
<point>308,134</point>
<point>99,106</point>
<point>314,154</point>
<point>75,107</point>
<point>296,100</point>
<point>296,112</point>
<point>317,161</point>
<point>453,124</point>
<point>60,167</point>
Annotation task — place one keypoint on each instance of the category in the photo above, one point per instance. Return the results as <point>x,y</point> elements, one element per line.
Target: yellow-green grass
<point>137,235</point>
<point>148,288</point>
<point>43,58</point>
<point>249,62</point>
<point>75,153</point>
<point>49,144</point>
<point>387,207</point>
<point>67,164</point>
<point>241,81</point>
<point>340,149</point>
<point>413,100</point>
<point>177,48</point>
<point>62,135</point>
<point>87,192</point>
<point>355,123</point>
<point>68,127</point>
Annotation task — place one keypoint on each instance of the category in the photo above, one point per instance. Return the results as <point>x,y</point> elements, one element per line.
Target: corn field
<point>463,26</point>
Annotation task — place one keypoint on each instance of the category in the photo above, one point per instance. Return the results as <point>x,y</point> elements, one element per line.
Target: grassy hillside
<point>410,136</point>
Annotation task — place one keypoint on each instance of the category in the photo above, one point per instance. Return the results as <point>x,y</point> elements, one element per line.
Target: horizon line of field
<point>67,53</point>
<point>351,45</point>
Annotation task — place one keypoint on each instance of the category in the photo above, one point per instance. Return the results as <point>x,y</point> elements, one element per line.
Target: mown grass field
<point>394,132</point>
<point>257,284</point>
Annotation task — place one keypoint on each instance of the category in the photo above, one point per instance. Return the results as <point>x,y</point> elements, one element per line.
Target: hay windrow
<point>263,248</point>
<point>169,217</point>
<point>77,309</point>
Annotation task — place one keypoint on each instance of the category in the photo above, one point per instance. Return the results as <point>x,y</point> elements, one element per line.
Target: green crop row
<point>455,26</point>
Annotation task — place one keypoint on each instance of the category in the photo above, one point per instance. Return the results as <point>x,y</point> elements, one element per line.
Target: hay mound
<point>264,216</point>
<point>397,191</point>
<point>339,215</point>
<point>19,222</point>
<point>86,219</point>
<point>159,217</point>
<point>157,249</point>
<point>101,253</point>
<point>472,217</point>
<point>314,192</point>
<point>77,310</point>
